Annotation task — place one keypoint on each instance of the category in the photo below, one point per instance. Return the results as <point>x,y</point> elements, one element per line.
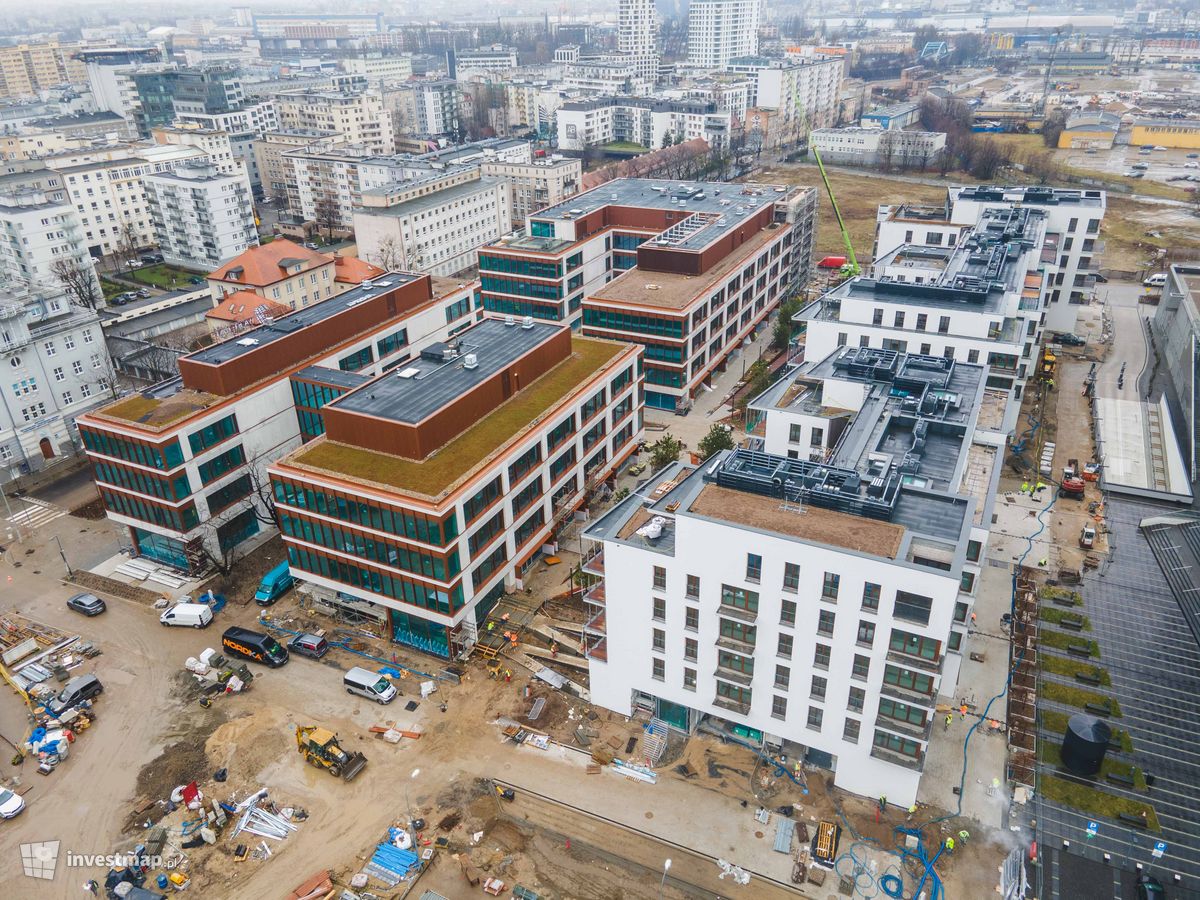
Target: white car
<point>1191,165</point>
<point>11,804</point>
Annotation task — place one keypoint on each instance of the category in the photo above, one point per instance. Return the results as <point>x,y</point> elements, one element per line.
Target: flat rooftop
<point>1038,196</point>
<point>520,240</point>
<point>721,206</point>
<point>438,474</point>
<point>413,392</point>
<point>429,201</point>
<point>256,338</point>
<point>672,290</point>
<point>336,377</point>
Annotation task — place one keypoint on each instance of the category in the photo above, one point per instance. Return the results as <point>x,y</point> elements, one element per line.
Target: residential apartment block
<point>377,67</point>
<point>26,69</point>
<point>183,465</point>
<point>878,146</point>
<point>976,294</point>
<point>648,122</point>
<point>496,58</point>
<point>435,488</point>
<point>721,30</point>
<point>356,117</point>
<point>817,608</point>
<point>37,231</point>
<point>55,366</point>
<point>637,36</point>
<point>537,184</point>
<point>282,271</point>
<point>803,90</point>
<point>275,169</point>
<point>201,216</point>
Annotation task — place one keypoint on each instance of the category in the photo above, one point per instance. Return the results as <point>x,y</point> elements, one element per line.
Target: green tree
<point>665,451</point>
<point>719,438</point>
<point>784,326</point>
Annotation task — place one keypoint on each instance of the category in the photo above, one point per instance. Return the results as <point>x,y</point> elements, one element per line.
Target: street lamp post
<point>408,804</point>
<point>663,884</point>
<point>70,574</point>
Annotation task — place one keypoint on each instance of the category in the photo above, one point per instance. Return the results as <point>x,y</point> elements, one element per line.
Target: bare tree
<point>328,215</point>
<point>127,245</point>
<point>388,255</point>
<point>78,276</point>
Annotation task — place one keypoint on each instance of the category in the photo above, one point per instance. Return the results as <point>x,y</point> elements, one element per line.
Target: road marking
<point>35,514</point>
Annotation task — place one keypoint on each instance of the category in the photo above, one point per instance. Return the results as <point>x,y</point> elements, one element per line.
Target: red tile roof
<point>268,264</point>
<point>352,270</point>
<point>243,306</point>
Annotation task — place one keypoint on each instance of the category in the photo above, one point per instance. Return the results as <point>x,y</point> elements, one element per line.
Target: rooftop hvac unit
<point>527,322</point>
<point>410,372</point>
<point>248,342</point>
<point>509,321</point>
<point>470,361</point>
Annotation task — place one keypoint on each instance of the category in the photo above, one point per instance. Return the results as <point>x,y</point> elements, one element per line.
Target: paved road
<point>1129,346</point>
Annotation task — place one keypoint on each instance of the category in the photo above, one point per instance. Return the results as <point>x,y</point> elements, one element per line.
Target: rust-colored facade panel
<point>245,369</point>
<point>419,440</point>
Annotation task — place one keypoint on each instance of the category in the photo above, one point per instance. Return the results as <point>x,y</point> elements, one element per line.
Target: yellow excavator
<point>319,746</point>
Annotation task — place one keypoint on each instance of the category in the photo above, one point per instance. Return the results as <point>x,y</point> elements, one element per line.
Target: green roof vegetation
<point>1094,802</point>
<point>1061,640</point>
<point>1052,592</point>
<point>1061,665</point>
<point>1074,696</point>
<point>1051,753</point>
<point>624,147</point>
<point>157,412</point>
<point>1053,720</point>
<point>1063,617</point>
<point>437,473</point>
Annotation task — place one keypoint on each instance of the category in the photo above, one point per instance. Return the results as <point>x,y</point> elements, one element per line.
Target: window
<point>795,432</point>
<point>660,578</point>
<point>960,611</point>
<point>861,667</point>
<point>738,631</point>
<point>660,609</point>
<point>818,438</point>
<point>913,607</point>
<point>659,641</point>
<point>86,390</point>
<point>779,707</point>
<point>785,646</point>
<point>753,567</point>
<point>851,730</point>
<point>212,434</point>
<point>658,669</point>
<point>825,622</point>
<point>787,613</point>
<point>943,325</point>
<point>955,642</point>
<point>829,588</point>
<point>49,348</point>
<point>856,698</point>
<point>908,680</point>
<point>66,397</point>
<point>69,341</point>
<point>898,321</point>
<point>689,679</point>
<point>791,580</point>
<point>77,367</point>
<point>871,596</point>
<point>59,375</point>
<point>690,648</point>
<point>974,549</point>
<point>821,656</point>
<point>736,663</point>
<point>783,677</point>
<point>972,356</point>
<point>966,583</point>
<point>902,712</point>
<point>897,744</point>
<point>739,599</point>
<point>693,587</point>
<point>691,618</point>
<point>87,337</point>
<point>815,716</point>
<point>877,317</point>
<point>866,633</point>
<point>914,645</point>
<point>819,686</point>
<point>922,321</point>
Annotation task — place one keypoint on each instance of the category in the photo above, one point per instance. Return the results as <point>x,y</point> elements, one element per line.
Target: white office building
<point>201,216</point>
<point>857,146</point>
<point>819,608</point>
<point>56,367</point>
<point>496,58</point>
<point>721,30</point>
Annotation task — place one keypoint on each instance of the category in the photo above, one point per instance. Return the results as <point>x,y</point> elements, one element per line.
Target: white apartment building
<point>805,90</point>
<point>878,146</point>
<point>274,167</point>
<point>107,187</point>
<point>252,118</point>
<point>1073,220</point>
<point>537,184</point>
<point>56,366</point>
<point>325,175</point>
<point>376,67</point>
<point>357,118</point>
<point>818,607</point>
<point>637,36</point>
<point>35,233</point>
<point>215,145</point>
<point>431,107</point>
<point>645,121</point>
<point>178,467</point>
<point>721,30</point>
<point>201,215</point>
<point>608,77</point>
<point>496,58</point>
<point>426,227</point>
<point>975,294</point>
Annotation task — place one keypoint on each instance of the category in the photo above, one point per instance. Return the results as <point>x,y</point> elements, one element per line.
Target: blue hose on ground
<point>345,645</point>
<point>780,769</point>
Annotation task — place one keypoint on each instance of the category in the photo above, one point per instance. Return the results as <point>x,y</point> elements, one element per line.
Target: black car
<point>88,604</point>
<point>308,645</point>
<point>1149,888</point>
<point>1069,340</point>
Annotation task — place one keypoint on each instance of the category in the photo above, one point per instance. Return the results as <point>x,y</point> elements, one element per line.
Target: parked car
<point>1158,279</point>
<point>195,279</point>
<point>143,293</point>
<point>195,615</point>
<point>308,645</point>
<point>147,259</point>
<point>1150,888</point>
<point>1068,340</point>
<point>10,804</point>
<point>273,585</point>
<point>1141,167</point>
<point>83,687</point>
<point>88,604</point>
<point>1191,165</point>
<point>1194,156</point>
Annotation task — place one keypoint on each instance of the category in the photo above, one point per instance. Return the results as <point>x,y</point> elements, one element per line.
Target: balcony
<point>733,644</point>
<point>738,706</point>
<point>913,698</point>
<point>908,729</point>
<point>733,675</point>
<point>594,564</point>
<point>916,662</point>
<point>597,650</point>
<point>597,624</point>
<point>595,595</point>
<point>899,759</point>
<point>735,612</point>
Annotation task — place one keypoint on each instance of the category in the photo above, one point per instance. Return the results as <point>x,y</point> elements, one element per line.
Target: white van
<point>1158,279</point>
<point>197,615</point>
<point>369,684</point>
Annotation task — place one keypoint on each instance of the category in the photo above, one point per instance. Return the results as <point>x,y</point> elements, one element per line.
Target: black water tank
<point>1085,744</point>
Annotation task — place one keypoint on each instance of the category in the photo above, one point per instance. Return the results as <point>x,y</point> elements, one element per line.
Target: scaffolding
<point>505,624</point>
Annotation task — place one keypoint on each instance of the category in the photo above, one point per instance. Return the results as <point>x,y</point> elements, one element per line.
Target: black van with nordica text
<point>253,645</point>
